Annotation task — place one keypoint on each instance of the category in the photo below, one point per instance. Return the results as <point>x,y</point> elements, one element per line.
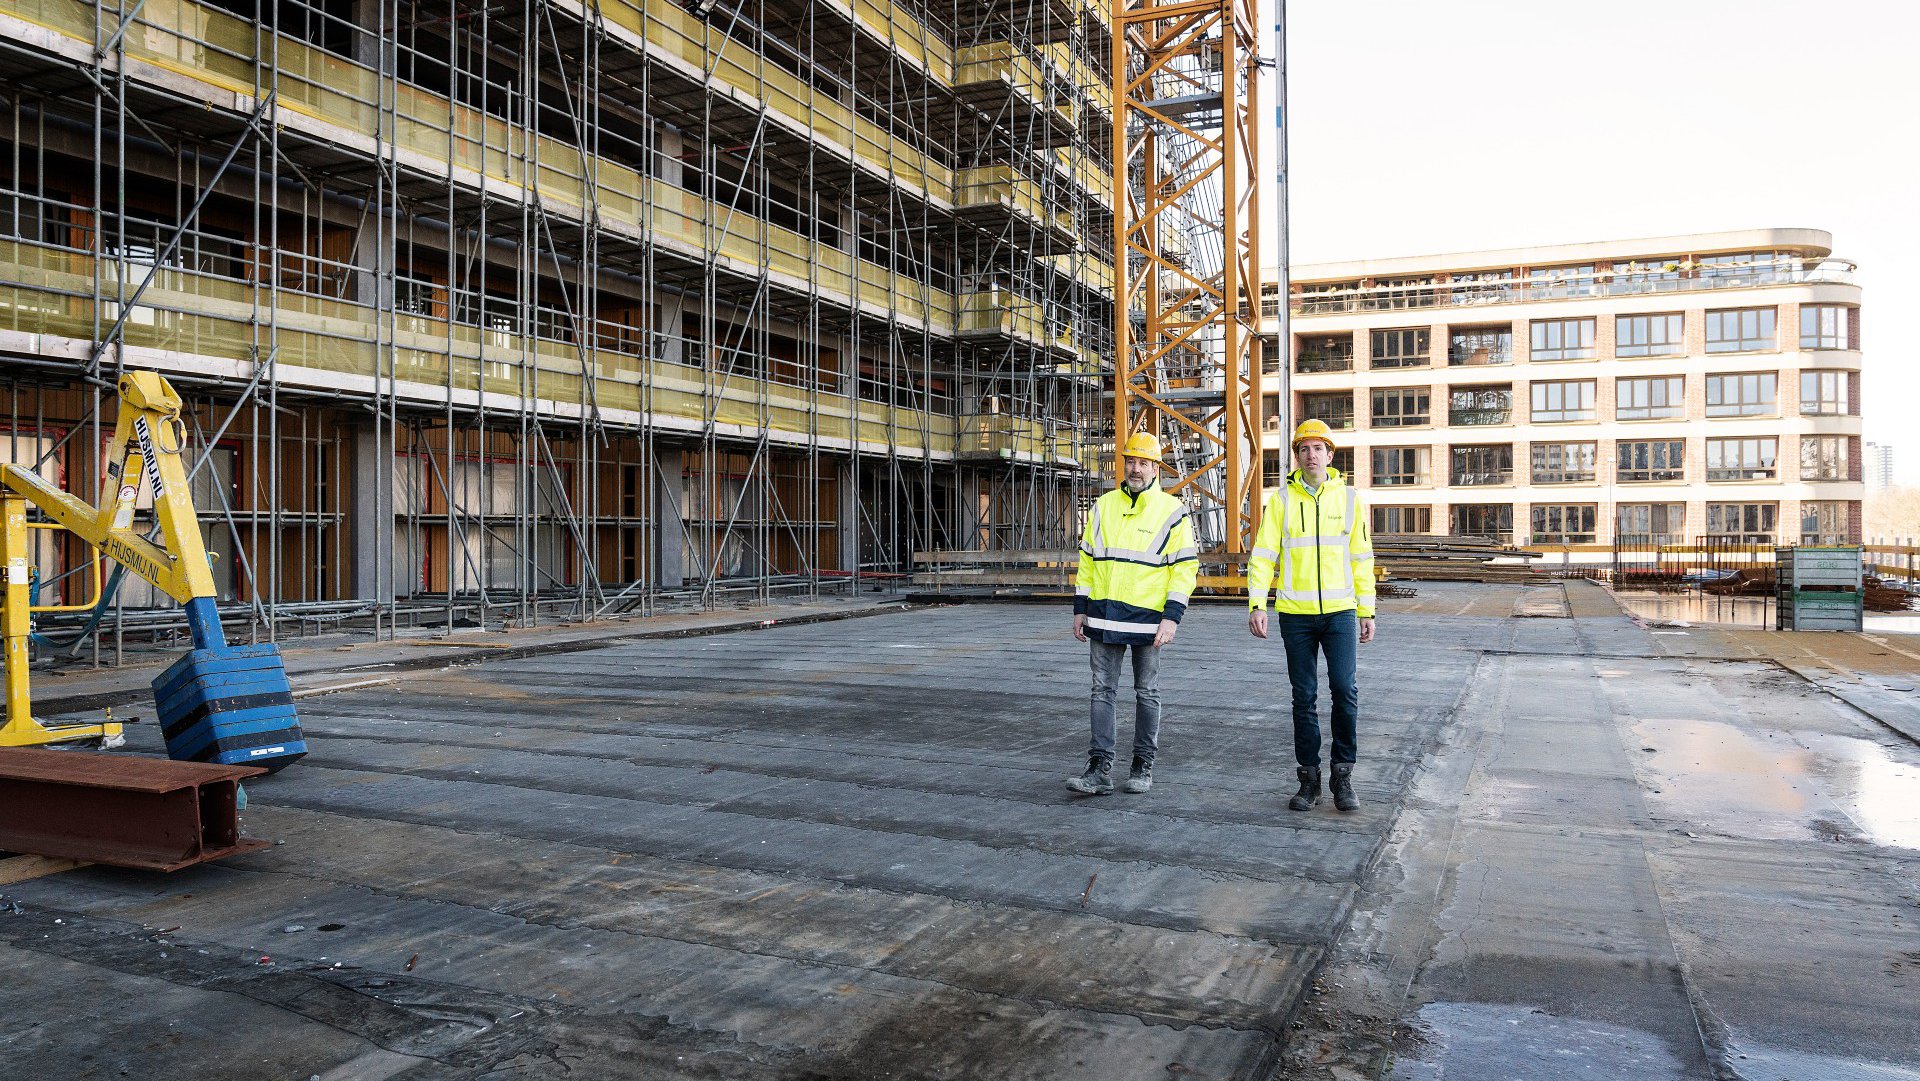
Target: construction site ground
<point>839,847</point>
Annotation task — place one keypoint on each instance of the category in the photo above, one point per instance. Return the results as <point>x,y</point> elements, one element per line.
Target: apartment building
<point>1879,471</point>
<point>1624,392</point>
<point>552,308</point>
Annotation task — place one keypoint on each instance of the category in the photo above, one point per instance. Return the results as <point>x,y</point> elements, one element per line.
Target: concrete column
<point>372,514</point>
<point>669,531</point>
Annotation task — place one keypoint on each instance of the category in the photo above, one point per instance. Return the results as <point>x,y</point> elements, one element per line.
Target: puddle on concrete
<point>1761,1063</point>
<point>1733,782</point>
<point>1751,612</point>
<point>1756,612</point>
<point>1880,793</point>
<point>1723,779</point>
<point>1467,1040</point>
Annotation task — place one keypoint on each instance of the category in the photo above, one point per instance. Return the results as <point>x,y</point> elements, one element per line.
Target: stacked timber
<point>1452,559</point>
<point>1001,572</point>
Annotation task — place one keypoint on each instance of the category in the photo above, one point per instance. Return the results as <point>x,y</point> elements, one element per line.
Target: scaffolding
<point>497,315</point>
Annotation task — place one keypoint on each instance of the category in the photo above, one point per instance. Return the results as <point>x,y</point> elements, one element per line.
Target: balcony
<point>1310,361</point>
<point>1469,478</point>
<point>1472,417</point>
<point>1602,284</point>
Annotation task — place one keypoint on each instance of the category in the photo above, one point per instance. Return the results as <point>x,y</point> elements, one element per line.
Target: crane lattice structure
<point>1187,252</point>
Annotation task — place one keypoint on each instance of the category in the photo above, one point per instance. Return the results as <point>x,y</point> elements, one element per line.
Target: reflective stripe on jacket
<point>1322,545</point>
<point>1138,564</point>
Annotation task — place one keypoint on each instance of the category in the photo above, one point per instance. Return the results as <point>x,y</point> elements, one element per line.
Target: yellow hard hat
<point>1144,445</point>
<point>1314,429</point>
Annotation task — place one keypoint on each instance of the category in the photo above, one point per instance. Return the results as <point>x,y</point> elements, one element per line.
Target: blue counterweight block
<point>228,704</point>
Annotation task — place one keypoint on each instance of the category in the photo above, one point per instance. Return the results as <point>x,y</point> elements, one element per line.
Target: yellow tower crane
<point>1187,206</point>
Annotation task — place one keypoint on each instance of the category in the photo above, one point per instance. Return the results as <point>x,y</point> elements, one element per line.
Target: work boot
<point>1343,787</point>
<point>1309,793</point>
<point>1140,777</point>
<point>1097,781</point>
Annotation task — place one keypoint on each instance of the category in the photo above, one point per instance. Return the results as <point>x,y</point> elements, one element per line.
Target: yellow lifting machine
<point>219,703</point>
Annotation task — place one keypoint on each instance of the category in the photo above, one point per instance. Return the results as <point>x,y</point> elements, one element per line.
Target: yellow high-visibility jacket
<point>1138,564</point>
<point>1323,546</point>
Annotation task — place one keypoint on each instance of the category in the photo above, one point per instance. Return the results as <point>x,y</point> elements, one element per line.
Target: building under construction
<point>548,309</point>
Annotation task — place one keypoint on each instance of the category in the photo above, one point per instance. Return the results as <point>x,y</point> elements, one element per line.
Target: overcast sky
<point>1422,127</point>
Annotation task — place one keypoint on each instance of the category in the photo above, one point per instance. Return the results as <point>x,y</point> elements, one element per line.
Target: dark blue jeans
<point>1338,636</point>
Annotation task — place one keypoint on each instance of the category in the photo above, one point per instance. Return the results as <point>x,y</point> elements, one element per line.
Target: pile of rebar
<point>1884,596</point>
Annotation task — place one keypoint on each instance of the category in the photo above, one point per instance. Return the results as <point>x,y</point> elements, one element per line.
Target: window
<point>1401,407</point>
<point>1493,520</point>
<point>1402,520</point>
<point>1571,523</point>
<point>1565,463</point>
<point>1739,330</point>
<point>1335,410</point>
<point>1746,268</point>
<point>1480,405</point>
<point>1647,277</point>
<point>1564,401</point>
<point>1343,461</point>
<point>1483,287</point>
<point>1393,294</point>
<point>1562,339</point>
<point>1490,464</point>
<point>1751,458</point>
<point>1653,398</point>
<point>1824,326</point>
<point>1325,353</point>
<point>1746,522</point>
<point>1548,283</point>
<point>1321,298</point>
<point>1480,345</point>
<point>1823,394</point>
<point>1650,523</point>
<point>1273,469</point>
<point>1399,466</point>
<point>1404,348</point>
<point>1824,521</point>
<point>1823,457</point>
<point>1649,335</point>
<point>1643,460</point>
<point>1748,394</point>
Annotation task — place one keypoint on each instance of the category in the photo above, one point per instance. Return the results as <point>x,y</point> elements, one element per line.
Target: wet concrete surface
<point>844,850</point>
<point>1631,864</point>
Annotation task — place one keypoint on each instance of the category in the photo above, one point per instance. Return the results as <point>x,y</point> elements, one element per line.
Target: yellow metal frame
<point>148,438</point>
<point>1198,329</point>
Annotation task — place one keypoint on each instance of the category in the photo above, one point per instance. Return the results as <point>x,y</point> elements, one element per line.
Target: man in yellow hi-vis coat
<point>1137,568</point>
<point>1315,528</point>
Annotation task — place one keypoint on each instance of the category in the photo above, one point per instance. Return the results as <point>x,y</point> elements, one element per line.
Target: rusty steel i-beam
<point>128,811</point>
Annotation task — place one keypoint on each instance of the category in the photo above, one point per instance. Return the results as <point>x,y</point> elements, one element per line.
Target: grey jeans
<point>1106,661</point>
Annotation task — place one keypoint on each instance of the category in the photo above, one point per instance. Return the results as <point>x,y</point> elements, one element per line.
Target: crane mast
<point>1187,207</point>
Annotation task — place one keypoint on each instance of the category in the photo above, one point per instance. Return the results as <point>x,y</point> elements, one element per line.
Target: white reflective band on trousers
<point>1288,544</point>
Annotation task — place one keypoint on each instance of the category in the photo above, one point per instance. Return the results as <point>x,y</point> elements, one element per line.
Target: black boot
<point>1097,781</point>
<point>1309,793</point>
<point>1343,787</point>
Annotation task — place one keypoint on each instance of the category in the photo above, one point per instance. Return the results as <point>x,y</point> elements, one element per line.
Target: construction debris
<point>1452,559</point>
<point>1883,595</point>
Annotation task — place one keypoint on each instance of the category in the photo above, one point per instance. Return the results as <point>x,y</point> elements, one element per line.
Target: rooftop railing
<point>1643,282</point>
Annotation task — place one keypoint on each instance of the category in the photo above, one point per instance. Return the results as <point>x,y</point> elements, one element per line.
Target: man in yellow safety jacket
<point>1315,528</point>
<point>1137,568</point>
